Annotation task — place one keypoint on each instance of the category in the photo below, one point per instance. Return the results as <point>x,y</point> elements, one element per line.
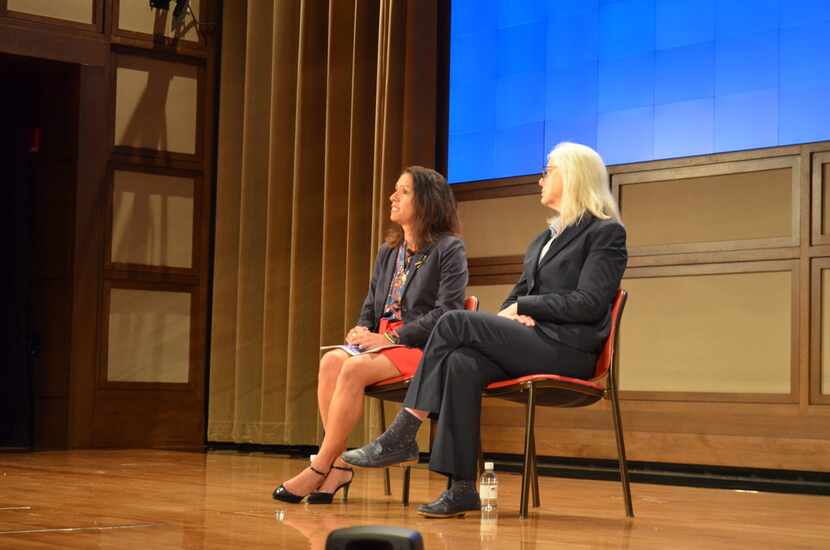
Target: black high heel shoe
<point>320,497</point>
<point>283,494</point>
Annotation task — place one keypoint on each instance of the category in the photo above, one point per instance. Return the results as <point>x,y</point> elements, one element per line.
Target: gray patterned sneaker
<point>374,455</point>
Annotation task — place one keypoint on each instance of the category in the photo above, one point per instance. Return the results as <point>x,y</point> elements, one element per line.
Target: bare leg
<point>330,365</point>
<point>420,415</point>
<point>345,409</point>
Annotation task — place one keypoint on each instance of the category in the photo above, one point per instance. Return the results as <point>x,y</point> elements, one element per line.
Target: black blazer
<point>570,293</point>
<point>436,285</point>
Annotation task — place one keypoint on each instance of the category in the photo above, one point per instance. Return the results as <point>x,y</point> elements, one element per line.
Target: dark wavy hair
<point>436,211</point>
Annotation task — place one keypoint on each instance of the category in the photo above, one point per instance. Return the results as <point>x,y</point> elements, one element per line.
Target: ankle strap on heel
<point>343,469</point>
<point>318,472</point>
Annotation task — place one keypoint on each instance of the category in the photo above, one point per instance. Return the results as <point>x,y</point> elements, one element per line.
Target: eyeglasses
<point>546,170</point>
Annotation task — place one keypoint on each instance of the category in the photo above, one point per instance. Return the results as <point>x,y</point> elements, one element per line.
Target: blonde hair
<point>585,185</point>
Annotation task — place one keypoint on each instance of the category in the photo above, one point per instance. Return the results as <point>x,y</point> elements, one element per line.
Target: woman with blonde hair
<point>420,274</point>
<point>554,321</point>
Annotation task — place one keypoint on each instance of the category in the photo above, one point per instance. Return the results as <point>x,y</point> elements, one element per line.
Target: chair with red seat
<point>394,389</point>
<point>561,391</point>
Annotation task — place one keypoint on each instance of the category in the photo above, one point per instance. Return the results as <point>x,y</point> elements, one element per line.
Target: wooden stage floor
<point>164,499</point>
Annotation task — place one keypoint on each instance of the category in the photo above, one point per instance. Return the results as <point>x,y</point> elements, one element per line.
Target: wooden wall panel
<point>79,11</point>
<point>498,227</point>
<point>825,199</point>
<point>820,332</point>
<point>88,245</point>
<point>153,219</point>
<point>41,38</point>
<point>163,321</point>
<point>702,209</point>
<point>566,440</point>
<point>821,198</point>
<point>695,208</point>
<point>140,419</point>
<point>709,333</point>
<point>148,336</point>
<point>727,434</point>
<point>156,105</point>
<point>825,332</point>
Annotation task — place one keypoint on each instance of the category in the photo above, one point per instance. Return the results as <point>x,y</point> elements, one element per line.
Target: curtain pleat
<point>360,211</point>
<point>280,153</point>
<point>254,215</point>
<point>312,139</point>
<point>333,316</point>
<point>222,389</point>
<point>307,226</point>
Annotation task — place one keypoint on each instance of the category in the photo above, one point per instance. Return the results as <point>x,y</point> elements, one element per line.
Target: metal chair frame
<point>558,391</point>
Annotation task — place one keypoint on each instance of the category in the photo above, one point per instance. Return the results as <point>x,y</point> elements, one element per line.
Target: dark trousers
<point>465,352</point>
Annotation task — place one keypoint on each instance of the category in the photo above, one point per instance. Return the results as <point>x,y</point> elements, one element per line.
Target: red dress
<point>406,360</point>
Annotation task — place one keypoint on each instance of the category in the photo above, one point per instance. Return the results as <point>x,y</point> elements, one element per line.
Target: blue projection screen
<point>636,79</point>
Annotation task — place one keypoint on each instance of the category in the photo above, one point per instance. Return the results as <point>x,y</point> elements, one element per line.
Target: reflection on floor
<point>164,499</point>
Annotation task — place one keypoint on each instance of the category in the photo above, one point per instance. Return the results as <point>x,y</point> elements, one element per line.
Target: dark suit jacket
<point>436,285</point>
<point>569,294</point>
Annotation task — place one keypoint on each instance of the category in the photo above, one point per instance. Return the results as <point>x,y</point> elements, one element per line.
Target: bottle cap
<point>488,465</point>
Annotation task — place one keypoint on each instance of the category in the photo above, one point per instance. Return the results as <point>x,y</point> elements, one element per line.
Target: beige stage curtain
<point>321,105</point>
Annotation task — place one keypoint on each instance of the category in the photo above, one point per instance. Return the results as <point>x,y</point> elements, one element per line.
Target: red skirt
<point>406,360</point>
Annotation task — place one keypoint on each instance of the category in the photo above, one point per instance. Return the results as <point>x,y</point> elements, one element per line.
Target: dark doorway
<point>38,148</point>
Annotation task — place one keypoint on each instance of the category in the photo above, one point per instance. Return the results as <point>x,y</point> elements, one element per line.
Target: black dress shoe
<point>319,497</point>
<point>284,495</point>
<point>452,503</point>
<point>374,455</point>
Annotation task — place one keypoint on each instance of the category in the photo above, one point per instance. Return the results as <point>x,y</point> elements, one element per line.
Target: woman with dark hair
<point>420,274</point>
<point>555,321</point>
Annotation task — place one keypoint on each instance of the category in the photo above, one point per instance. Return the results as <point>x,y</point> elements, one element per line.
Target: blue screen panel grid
<point>638,80</point>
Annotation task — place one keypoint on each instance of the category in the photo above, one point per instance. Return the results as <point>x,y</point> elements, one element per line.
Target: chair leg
<point>480,467</point>
<point>618,431</point>
<point>526,470</point>
<point>387,482</point>
<point>405,492</point>
<point>535,471</point>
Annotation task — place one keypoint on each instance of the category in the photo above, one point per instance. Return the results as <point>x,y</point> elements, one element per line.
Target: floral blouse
<point>392,310</point>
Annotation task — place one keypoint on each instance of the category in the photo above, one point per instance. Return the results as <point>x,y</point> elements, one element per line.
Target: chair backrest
<point>606,357</point>
<point>471,303</point>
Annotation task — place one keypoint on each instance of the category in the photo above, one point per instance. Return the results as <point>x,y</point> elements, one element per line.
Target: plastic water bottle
<point>488,491</point>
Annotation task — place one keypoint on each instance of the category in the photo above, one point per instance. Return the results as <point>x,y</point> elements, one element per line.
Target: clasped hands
<point>512,312</point>
<point>363,338</point>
